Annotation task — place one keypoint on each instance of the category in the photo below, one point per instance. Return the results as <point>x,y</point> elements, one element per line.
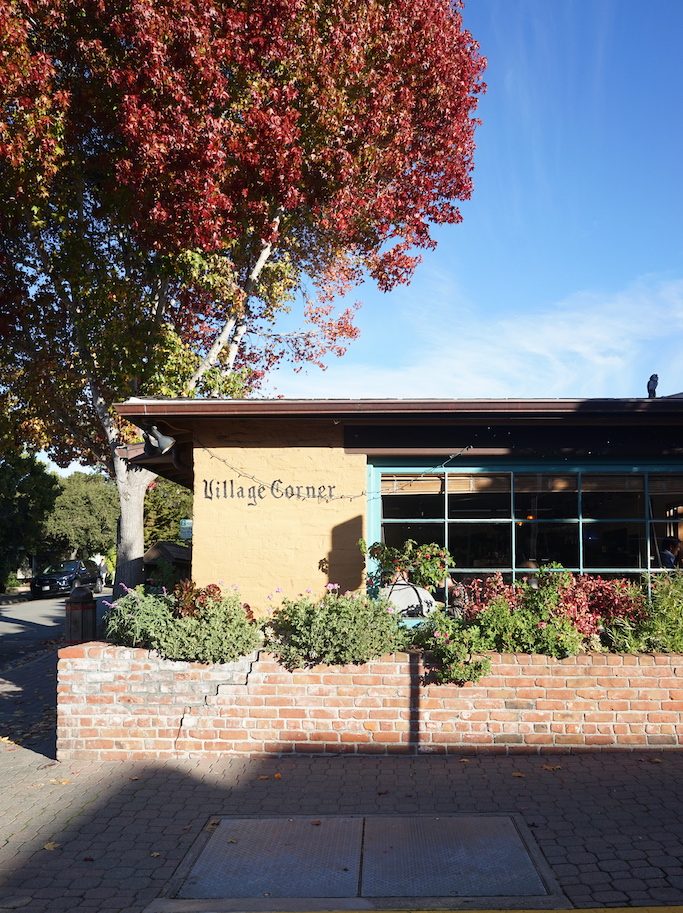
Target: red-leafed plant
<point>591,601</point>
<point>481,591</point>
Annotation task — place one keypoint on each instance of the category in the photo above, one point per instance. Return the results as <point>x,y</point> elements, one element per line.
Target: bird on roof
<point>652,386</point>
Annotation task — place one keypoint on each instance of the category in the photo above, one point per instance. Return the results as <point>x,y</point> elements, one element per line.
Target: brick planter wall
<point>116,703</point>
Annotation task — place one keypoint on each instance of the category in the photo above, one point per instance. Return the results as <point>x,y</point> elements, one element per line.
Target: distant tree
<point>166,504</point>
<point>28,492</point>
<point>84,517</point>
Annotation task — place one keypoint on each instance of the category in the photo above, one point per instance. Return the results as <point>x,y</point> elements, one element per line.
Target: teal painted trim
<point>373,507</point>
<point>438,464</point>
<point>446,466</point>
<point>373,510</point>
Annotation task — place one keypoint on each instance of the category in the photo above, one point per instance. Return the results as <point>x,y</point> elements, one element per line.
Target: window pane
<point>412,497</point>
<point>395,534</point>
<point>546,497</point>
<point>614,545</point>
<point>612,496</point>
<point>478,496</point>
<point>480,544</point>
<point>662,548</point>
<point>666,502</point>
<point>546,543</point>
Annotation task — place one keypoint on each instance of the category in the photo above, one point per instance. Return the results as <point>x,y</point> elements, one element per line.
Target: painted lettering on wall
<point>253,494</point>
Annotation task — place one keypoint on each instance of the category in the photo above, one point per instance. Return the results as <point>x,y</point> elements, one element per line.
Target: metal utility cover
<point>278,857</point>
<point>450,856</point>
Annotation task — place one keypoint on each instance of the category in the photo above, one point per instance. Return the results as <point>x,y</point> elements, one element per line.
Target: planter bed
<point>118,703</point>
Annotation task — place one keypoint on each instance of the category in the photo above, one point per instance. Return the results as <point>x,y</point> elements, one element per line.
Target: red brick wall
<point>116,703</point>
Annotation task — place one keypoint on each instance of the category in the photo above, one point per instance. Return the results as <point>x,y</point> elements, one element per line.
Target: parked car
<point>62,577</point>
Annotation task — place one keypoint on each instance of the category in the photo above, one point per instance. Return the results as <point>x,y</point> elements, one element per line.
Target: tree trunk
<point>132,484</point>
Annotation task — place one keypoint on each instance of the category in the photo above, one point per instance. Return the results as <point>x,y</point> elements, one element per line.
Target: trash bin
<point>81,616</point>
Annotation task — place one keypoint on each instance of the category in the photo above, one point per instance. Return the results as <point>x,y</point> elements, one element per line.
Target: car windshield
<point>65,567</point>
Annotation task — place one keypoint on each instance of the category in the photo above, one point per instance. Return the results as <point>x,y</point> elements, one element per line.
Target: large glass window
<point>507,521</point>
<point>471,497</point>
<point>547,543</point>
<point>607,496</point>
<point>481,545</point>
<point>614,544</point>
<point>412,497</point>
<point>546,497</point>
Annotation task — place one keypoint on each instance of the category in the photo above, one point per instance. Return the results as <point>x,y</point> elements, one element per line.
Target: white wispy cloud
<point>590,344</point>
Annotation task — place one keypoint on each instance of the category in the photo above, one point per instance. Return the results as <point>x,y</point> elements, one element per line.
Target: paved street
<point>79,836</point>
<point>28,626</point>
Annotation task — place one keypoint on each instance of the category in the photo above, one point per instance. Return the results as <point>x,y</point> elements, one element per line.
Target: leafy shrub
<point>451,647</point>
<point>586,602</point>
<point>425,565</point>
<point>558,615</point>
<point>662,629</point>
<point>480,593</point>
<point>622,635</point>
<point>529,627</point>
<point>11,581</point>
<point>333,630</point>
<point>197,625</point>
<point>590,601</point>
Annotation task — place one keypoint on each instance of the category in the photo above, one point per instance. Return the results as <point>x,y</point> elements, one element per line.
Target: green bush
<point>12,581</point>
<point>531,627</point>
<point>333,630</point>
<point>662,627</point>
<point>523,619</point>
<point>197,625</point>
<point>451,647</point>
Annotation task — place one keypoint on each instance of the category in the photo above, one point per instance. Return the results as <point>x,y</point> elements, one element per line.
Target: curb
<point>14,598</point>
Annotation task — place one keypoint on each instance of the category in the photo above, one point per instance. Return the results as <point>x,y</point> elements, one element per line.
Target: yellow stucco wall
<point>271,500</point>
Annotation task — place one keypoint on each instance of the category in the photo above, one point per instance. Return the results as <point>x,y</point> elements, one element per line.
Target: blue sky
<point>565,278</point>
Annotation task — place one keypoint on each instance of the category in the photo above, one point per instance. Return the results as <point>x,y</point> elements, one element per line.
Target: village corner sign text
<point>251,495</point>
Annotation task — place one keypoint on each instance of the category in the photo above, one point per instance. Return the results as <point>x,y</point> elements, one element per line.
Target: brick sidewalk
<point>103,837</point>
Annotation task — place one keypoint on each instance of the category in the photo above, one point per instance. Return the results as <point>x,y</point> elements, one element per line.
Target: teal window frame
<point>378,467</point>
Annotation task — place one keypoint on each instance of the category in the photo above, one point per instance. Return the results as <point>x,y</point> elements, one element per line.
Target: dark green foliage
<point>83,519</point>
<point>452,649</point>
<point>216,631</point>
<point>27,494</point>
<point>663,627</point>
<point>333,630</point>
<point>166,504</point>
<point>660,628</point>
<point>531,627</point>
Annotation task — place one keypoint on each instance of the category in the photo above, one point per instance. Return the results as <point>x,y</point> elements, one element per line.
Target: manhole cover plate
<point>375,856</point>
<point>279,857</point>
<point>446,857</point>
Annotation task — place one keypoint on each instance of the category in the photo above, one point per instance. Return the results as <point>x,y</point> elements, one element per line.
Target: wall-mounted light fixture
<point>156,443</point>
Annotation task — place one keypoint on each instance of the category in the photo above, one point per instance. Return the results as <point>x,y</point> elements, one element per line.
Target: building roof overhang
<point>144,411</point>
<point>182,418</point>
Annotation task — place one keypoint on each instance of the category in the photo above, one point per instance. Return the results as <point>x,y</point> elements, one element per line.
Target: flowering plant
<point>424,565</point>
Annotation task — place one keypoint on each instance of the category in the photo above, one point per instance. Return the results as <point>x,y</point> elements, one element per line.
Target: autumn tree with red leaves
<point>177,173</point>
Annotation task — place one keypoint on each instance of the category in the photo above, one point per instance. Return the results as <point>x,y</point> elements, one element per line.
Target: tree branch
<point>235,328</point>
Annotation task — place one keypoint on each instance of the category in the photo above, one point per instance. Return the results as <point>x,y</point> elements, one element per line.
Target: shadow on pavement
<point>111,836</point>
<point>28,702</point>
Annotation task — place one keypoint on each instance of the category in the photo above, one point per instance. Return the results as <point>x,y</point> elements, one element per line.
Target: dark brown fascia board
<point>142,411</point>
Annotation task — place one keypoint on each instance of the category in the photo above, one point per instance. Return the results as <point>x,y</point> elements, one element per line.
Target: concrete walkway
<point>108,837</point>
